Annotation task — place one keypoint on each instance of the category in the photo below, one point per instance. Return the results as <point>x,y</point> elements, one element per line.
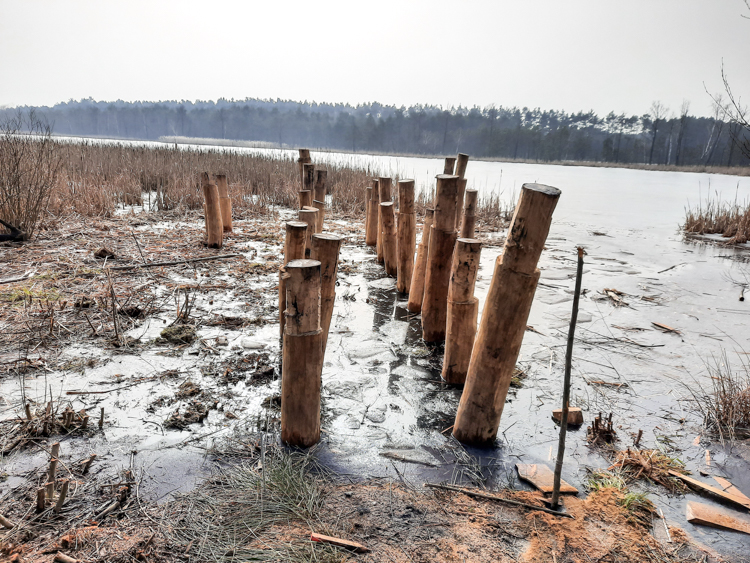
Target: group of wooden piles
<point>440,282</point>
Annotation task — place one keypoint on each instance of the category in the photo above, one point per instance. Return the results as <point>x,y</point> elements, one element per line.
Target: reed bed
<point>730,220</point>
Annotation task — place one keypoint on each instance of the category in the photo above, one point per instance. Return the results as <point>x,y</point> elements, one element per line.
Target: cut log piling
<point>504,317</point>
<point>321,207</point>
<point>460,202</point>
<point>308,176</point>
<point>439,260</point>
<point>368,197</point>
<point>390,259</point>
<point>462,311</point>
<point>325,249</point>
<point>407,235</point>
<point>212,211</point>
<point>450,165</point>
<point>416,291</point>
<point>461,162</point>
<point>319,197</point>
<point>304,158</point>
<point>302,360</point>
<point>305,199</point>
<point>225,202</point>
<point>468,223</point>
<point>371,236</point>
<point>294,249</point>
<point>309,215</point>
<point>384,195</point>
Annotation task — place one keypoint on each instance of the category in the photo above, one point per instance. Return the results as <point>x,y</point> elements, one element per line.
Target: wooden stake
<point>310,217</point>
<point>439,260</point>
<point>407,235</point>
<point>450,164</point>
<point>416,291</point>
<point>225,202</point>
<point>390,259</point>
<point>304,158</point>
<point>212,211</point>
<point>461,162</point>
<point>302,360</point>
<point>468,223</point>
<point>460,202</point>
<point>368,197</point>
<point>462,311</point>
<point>305,199</point>
<point>504,317</point>
<point>319,197</point>
<point>371,236</point>
<point>308,176</point>
<point>63,494</point>
<point>294,249</point>
<point>566,383</point>
<point>384,195</point>
<point>101,418</point>
<point>325,249</point>
<point>41,496</point>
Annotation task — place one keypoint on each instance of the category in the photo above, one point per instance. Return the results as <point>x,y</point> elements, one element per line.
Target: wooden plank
<point>708,488</point>
<point>354,546</point>
<point>706,515</point>
<point>727,487</point>
<point>542,478</point>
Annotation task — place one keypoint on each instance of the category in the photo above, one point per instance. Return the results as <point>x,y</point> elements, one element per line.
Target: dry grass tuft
<point>730,220</point>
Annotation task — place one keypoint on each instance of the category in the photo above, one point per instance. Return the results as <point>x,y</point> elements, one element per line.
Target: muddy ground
<point>190,369</point>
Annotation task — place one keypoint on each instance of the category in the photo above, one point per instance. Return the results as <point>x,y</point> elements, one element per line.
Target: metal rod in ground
<point>566,383</point>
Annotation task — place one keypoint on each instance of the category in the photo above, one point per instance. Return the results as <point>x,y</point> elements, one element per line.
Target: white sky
<point>554,54</point>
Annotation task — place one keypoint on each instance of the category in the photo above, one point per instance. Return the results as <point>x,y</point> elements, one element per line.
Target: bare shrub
<point>29,166</point>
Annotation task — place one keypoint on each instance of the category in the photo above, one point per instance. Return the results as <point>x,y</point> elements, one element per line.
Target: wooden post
<point>305,199</point>
<point>504,317</point>
<point>462,311</point>
<point>225,202</point>
<point>304,158</point>
<point>468,222</point>
<point>407,235</point>
<point>302,356</point>
<point>371,236</point>
<point>294,249</point>
<point>321,207</point>
<point>325,249</point>
<point>450,164</point>
<point>390,259</point>
<point>308,176</point>
<point>439,260</point>
<point>368,197</point>
<point>212,211</point>
<point>460,202</point>
<point>416,291</point>
<point>319,196</point>
<point>309,215</point>
<point>461,162</point>
<point>384,195</point>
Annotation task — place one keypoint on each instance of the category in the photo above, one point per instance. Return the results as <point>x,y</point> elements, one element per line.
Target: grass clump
<point>638,506</point>
<point>730,220</point>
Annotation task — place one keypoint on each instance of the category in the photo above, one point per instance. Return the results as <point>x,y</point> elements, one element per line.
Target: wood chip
<point>354,546</point>
<point>542,478</point>
<point>706,515</point>
<point>666,328</point>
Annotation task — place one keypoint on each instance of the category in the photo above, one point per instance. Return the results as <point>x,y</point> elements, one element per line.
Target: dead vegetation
<point>730,220</point>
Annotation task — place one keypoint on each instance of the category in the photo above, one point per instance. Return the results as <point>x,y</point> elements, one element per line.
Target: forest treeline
<point>660,137</point>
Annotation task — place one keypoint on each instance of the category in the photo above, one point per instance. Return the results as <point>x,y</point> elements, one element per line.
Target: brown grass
<point>730,220</point>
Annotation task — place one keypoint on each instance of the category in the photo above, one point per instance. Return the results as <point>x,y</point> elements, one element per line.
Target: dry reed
<point>730,220</point>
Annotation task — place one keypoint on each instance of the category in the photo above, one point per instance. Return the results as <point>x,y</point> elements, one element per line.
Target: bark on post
<point>371,236</point>
<point>407,235</point>
<point>389,238</point>
<point>294,249</point>
<point>468,223</point>
<point>460,202</point>
<point>308,176</point>
<point>450,164</point>
<point>305,199</point>
<point>304,158</point>
<point>325,249</point>
<point>416,291</point>
<point>504,317</point>
<point>462,311</point>
<point>321,207</point>
<point>461,162</point>
<point>302,359</point>
<point>384,195</point>
<point>319,196</point>
<point>439,260</point>
<point>225,202</point>
<point>212,211</point>
<point>368,197</point>
<point>309,216</point>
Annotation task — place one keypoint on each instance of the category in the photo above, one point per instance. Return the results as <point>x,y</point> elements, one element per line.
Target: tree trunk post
<point>309,215</point>
<point>468,224</point>
<point>460,202</point>
<point>319,196</point>
<point>304,158</point>
<point>416,291</point>
<point>439,260</point>
<point>212,211</point>
<point>450,165</point>
<point>462,311</point>
<point>225,202</point>
<point>308,176</point>
<point>390,260</point>
<point>371,236</point>
<point>407,235</point>
<point>504,317</point>
<point>368,197</point>
<point>305,199</point>
<point>302,356</point>
<point>461,162</point>
<point>325,249</point>
<point>384,195</point>
<point>294,249</point>
<point>321,207</point>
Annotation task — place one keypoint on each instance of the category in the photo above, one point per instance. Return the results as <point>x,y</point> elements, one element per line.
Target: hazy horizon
<point>575,56</point>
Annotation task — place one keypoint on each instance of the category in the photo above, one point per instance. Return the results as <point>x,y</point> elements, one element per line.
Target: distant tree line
<point>659,137</point>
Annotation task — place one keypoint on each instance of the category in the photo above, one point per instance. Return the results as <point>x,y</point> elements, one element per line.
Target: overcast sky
<point>554,54</point>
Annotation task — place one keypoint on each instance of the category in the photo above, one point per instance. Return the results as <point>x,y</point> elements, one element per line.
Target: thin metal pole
<point>566,384</point>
